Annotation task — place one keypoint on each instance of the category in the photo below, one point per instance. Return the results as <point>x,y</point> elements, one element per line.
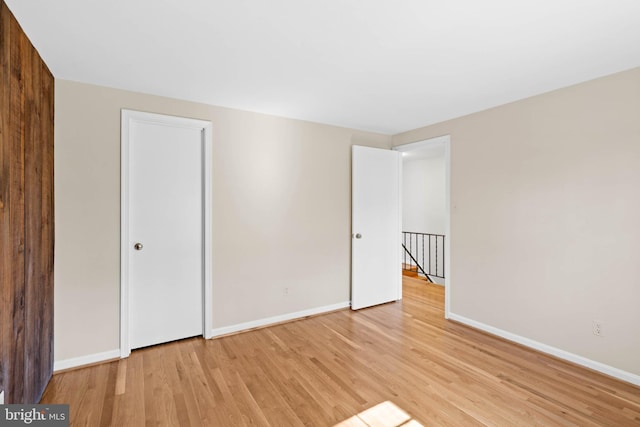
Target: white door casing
<point>376,275</point>
<point>166,207</point>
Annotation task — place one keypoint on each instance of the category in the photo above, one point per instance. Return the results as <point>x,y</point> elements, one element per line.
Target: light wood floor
<point>391,365</point>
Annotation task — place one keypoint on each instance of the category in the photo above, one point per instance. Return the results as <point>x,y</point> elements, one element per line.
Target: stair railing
<point>415,262</point>
<point>425,252</point>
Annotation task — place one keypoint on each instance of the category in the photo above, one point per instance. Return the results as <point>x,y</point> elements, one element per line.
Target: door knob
<point>358,236</point>
<point>137,246</point>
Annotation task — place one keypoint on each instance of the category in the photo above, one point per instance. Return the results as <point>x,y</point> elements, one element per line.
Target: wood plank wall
<point>26,216</point>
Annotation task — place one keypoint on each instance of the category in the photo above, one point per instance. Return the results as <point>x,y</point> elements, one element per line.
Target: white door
<point>163,239</point>
<point>376,227</point>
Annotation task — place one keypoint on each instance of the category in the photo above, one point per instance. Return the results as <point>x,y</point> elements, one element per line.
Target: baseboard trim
<point>83,361</point>
<point>544,348</point>
<point>96,358</point>
<point>241,327</point>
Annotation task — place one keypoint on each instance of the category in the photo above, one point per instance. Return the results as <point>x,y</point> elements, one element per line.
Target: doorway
<point>166,229</point>
<point>424,149</point>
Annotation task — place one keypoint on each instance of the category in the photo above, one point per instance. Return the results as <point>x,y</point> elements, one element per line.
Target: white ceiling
<point>379,65</point>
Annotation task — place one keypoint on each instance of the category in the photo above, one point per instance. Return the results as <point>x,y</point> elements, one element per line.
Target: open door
<point>376,227</point>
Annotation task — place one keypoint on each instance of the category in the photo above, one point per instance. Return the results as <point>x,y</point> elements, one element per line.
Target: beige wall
<point>281,213</point>
<point>545,211</point>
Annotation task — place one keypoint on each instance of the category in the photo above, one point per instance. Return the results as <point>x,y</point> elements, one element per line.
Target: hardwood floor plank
<point>121,379</point>
<point>349,369</point>
<point>114,373</point>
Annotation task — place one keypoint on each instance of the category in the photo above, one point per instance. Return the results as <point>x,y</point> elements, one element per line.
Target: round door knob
<point>358,236</point>
<point>137,246</point>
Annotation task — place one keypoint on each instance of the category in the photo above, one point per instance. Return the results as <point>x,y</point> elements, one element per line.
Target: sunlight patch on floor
<point>385,414</point>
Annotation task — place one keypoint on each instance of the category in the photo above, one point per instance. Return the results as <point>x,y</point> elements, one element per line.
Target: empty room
<point>338,213</point>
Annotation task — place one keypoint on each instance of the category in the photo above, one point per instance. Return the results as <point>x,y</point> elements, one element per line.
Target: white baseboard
<point>89,359</point>
<point>60,365</point>
<point>561,354</point>
<point>216,332</point>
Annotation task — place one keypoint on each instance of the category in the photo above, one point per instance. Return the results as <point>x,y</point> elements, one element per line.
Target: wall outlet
<point>598,329</point>
<point>2,397</point>
<point>286,291</point>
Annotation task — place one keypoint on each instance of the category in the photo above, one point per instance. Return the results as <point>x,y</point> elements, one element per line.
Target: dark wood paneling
<point>39,230</point>
<point>5,241</point>
<point>27,216</point>
<point>47,235</point>
<point>16,207</point>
